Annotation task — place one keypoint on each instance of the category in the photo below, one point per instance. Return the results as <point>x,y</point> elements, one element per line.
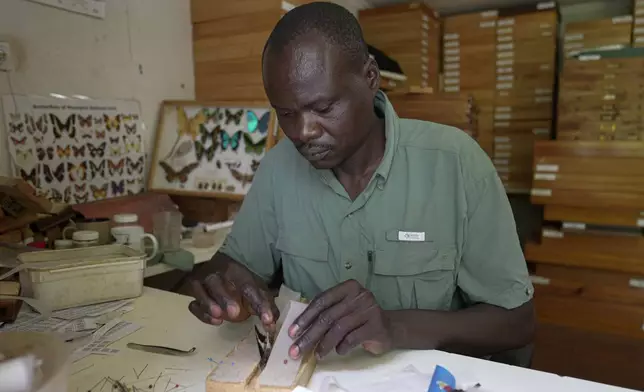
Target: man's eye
<point>284,113</point>
<point>324,109</point>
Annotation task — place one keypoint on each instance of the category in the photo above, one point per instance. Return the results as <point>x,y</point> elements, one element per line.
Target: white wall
<point>142,50</point>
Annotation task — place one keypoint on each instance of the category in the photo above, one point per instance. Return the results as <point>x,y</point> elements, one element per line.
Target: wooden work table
<point>166,321</point>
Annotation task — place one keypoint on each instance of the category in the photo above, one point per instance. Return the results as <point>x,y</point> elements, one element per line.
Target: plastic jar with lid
<point>85,238</point>
<point>125,220</point>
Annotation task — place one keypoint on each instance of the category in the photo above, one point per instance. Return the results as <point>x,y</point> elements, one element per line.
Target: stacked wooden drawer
<point>410,34</point>
<point>608,33</point>
<point>469,65</point>
<point>590,260</point>
<point>526,53</point>
<point>450,109</point>
<point>601,96</point>
<point>638,24</point>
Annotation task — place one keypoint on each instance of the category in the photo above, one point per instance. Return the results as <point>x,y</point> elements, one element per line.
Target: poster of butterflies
<point>210,150</point>
<point>76,151</point>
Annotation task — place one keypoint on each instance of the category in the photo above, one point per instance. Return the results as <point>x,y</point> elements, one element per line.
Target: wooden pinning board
<point>240,371</point>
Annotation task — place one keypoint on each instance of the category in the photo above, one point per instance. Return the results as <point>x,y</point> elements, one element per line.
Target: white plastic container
<point>63,279</point>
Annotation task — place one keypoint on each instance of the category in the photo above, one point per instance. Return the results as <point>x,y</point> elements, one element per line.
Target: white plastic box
<point>63,279</point>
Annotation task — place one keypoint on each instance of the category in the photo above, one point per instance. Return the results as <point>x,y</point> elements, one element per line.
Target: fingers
<point>196,309</point>
<point>205,301</point>
<point>217,291</point>
<point>353,339</point>
<point>263,306</point>
<point>339,332</point>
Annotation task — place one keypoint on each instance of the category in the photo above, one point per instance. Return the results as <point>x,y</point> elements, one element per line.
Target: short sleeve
<point>493,269</point>
<point>254,233</point>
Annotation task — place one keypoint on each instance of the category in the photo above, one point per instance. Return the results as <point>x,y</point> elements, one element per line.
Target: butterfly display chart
<point>210,150</point>
<point>76,151</point>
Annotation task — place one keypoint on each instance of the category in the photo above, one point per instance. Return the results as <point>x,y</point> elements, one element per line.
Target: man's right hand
<point>228,291</point>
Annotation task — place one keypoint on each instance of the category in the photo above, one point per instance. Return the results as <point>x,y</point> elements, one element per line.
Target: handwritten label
<point>541,192</point>
<point>504,78</point>
<point>505,116</point>
<point>501,63</point>
<point>545,177</point>
<point>490,14</point>
<point>504,38</point>
<point>573,37</point>
<point>504,55</point>
<point>452,51</point>
<point>487,25</point>
<point>505,70</point>
<point>453,59</point>
<point>453,81</point>
<point>449,37</point>
<point>506,30</point>
<point>453,66</point>
<point>507,22</point>
<point>452,74</point>
<point>504,86</point>
<point>453,89</point>
<point>546,5</point>
<point>501,139</point>
<point>574,226</point>
<point>548,168</point>
<point>550,233</point>
<point>451,44</point>
<point>505,47</point>
<point>503,109</point>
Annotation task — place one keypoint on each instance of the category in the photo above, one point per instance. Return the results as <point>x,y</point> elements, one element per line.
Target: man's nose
<point>309,129</point>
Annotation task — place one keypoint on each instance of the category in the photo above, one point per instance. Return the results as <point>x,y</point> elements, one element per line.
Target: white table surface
<point>167,322</point>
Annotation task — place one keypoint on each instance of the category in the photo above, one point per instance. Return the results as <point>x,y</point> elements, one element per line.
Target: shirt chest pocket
<point>413,272</point>
<point>305,264</point>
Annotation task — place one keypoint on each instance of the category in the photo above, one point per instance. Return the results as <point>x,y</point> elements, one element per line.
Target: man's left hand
<point>341,318</point>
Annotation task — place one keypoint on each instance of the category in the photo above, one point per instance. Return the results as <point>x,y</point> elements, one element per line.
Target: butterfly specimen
<point>214,115</point>
<point>98,120</point>
<point>30,177</point>
<point>67,197</point>
<point>234,117</point>
<point>36,125</point>
<point>64,152</point>
<point>112,123</point>
<point>208,152</point>
<point>61,127</point>
<point>127,117</point>
<point>115,151</point>
<point>100,134</point>
<point>254,165</point>
<point>206,134</point>
<point>218,164</point>
<point>80,187</point>
<point>134,167</point>
<point>97,151</point>
<point>115,140</point>
<point>58,173</point>
<point>38,140</point>
<point>56,196</point>
<point>81,197</point>
<point>252,147</point>
<point>131,182</point>
<point>116,168</point>
<point>99,193</point>
<point>16,128</point>
<point>241,177</point>
<point>23,155</point>
<point>255,123</point>
<point>79,151</point>
<point>130,129</point>
<point>85,122</point>
<point>189,127</point>
<point>182,175</point>
<point>118,188</point>
<point>97,170</point>
<point>22,141</point>
<point>77,172</point>
<point>48,152</point>
<point>132,146</point>
<point>228,141</point>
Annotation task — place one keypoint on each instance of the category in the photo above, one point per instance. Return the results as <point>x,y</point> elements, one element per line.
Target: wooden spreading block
<point>240,371</point>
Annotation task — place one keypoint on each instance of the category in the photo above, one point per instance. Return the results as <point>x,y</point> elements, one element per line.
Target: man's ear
<point>372,74</point>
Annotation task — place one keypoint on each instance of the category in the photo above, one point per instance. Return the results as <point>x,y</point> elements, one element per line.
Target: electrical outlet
<point>7,62</point>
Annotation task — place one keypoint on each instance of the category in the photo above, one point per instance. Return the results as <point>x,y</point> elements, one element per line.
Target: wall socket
<point>7,62</point>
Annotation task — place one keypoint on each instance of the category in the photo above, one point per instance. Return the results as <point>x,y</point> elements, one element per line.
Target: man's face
<point>322,100</point>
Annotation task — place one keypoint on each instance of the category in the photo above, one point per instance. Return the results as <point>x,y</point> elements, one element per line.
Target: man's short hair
<point>333,22</point>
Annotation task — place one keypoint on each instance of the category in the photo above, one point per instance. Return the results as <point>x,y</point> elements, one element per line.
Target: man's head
<point>321,81</point>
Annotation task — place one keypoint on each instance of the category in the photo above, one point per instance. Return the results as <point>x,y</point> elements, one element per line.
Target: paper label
<point>501,139</point>
<point>411,236</point>
<point>640,223</point>
<point>548,168</point>
<point>541,192</point>
<point>503,109</point>
<point>590,57</point>
<point>609,97</point>
<point>501,162</point>
<point>452,89</point>
<point>424,43</point>
<point>490,14</point>
<point>505,30</point>
<point>639,39</point>
<point>451,44</point>
<point>540,280</point>
<point>546,5</point>
<point>546,33</point>
<point>638,30</point>
<point>505,38</point>
<point>574,226</point>
<point>449,37</point>
<point>452,51</point>
<point>506,22</point>
<point>573,37</point>
<point>453,59</point>
<point>504,86</point>
<point>622,19</point>
<point>545,177</point>
<point>501,63</point>
<point>503,147</point>
<point>574,45</point>
<point>505,116</point>
<point>505,70</point>
<point>452,66</point>
<point>505,47</point>
<point>425,25</point>
<point>452,74</point>
<point>502,154</point>
<point>505,55</point>
<point>549,233</point>
<point>541,131</point>
<point>636,283</point>
<point>452,81</point>
<point>504,78</point>
<point>487,25</point>
<point>543,99</point>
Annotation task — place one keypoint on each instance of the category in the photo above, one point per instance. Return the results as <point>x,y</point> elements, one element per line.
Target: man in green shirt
<point>399,231</point>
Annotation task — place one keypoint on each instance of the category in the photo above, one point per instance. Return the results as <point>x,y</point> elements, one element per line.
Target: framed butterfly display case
<point>76,151</point>
<point>210,149</point>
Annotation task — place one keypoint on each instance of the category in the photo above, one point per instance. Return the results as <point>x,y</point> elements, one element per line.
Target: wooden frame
<point>271,137</point>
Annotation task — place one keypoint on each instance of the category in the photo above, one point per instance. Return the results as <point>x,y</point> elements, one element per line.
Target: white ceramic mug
<point>133,237</point>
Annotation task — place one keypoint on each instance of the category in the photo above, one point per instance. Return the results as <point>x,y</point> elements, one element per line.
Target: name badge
<point>411,236</point>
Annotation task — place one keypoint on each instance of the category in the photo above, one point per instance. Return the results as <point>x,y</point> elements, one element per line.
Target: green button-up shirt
<point>432,230</point>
